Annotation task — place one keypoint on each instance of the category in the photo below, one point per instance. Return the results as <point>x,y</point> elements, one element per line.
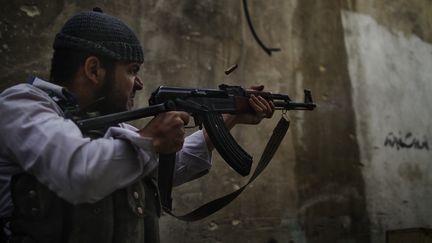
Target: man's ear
<point>93,70</point>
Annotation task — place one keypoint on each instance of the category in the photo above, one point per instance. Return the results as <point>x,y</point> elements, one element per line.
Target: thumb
<point>257,87</point>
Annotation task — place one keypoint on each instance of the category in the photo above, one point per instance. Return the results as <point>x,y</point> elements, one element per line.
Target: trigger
<point>197,123</point>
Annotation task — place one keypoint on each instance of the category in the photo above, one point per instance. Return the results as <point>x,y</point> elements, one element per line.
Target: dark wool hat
<point>99,33</point>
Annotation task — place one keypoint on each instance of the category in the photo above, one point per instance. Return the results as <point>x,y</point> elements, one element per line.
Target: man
<point>59,185</point>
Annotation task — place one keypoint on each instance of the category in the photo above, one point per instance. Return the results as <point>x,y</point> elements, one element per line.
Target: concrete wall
<point>390,58</point>
<point>357,166</point>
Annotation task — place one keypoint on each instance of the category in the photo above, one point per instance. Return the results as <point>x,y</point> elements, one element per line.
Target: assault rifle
<point>206,106</point>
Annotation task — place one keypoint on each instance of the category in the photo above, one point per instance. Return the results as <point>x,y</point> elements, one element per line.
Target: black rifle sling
<point>165,179</point>
<point>213,206</point>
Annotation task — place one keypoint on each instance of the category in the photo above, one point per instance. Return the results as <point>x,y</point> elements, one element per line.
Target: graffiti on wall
<point>408,141</point>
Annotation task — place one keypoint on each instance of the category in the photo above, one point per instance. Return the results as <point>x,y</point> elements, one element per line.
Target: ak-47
<point>206,106</point>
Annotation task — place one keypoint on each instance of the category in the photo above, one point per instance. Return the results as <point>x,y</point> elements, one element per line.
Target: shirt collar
<point>59,91</point>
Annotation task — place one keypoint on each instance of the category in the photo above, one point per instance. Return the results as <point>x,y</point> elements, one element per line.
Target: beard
<point>111,101</point>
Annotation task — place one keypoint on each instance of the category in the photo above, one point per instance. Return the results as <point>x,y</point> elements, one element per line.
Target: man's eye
<point>134,70</point>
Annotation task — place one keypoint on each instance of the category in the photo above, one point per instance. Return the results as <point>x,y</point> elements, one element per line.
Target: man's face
<point>122,85</point>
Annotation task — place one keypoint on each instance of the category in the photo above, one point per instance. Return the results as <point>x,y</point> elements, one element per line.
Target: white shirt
<point>36,138</point>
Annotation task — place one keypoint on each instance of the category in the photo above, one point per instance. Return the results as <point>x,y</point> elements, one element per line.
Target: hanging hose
<point>268,50</point>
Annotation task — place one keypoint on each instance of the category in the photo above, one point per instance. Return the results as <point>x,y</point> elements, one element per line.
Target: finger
<point>257,87</point>
<point>259,101</point>
<point>265,103</point>
<point>181,118</point>
<point>184,116</point>
<point>254,103</point>
<point>268,109</point>
<point>273,108</point>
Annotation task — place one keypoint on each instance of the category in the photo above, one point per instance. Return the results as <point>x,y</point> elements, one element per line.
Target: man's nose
<point>138,85</point>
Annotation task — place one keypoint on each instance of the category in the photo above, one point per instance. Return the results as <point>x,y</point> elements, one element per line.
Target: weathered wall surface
<point>331,202</point>
<point>339,175</point>
<point>390,58</point>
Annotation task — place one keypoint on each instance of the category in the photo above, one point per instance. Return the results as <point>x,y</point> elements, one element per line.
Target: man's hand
<point>262,109</point>
<point>167,131</point>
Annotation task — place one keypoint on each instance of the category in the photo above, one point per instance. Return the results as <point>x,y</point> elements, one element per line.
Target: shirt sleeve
<point>193,160</point>
<point>54,150</point>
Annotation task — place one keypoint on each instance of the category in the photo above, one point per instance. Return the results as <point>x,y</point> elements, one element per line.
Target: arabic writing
<point>409,141</point>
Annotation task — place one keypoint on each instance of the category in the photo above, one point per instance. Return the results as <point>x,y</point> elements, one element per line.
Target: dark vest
<point>128,215</point>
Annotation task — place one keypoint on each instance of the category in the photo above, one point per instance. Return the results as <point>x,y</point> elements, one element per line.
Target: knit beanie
<point>101,34</point>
